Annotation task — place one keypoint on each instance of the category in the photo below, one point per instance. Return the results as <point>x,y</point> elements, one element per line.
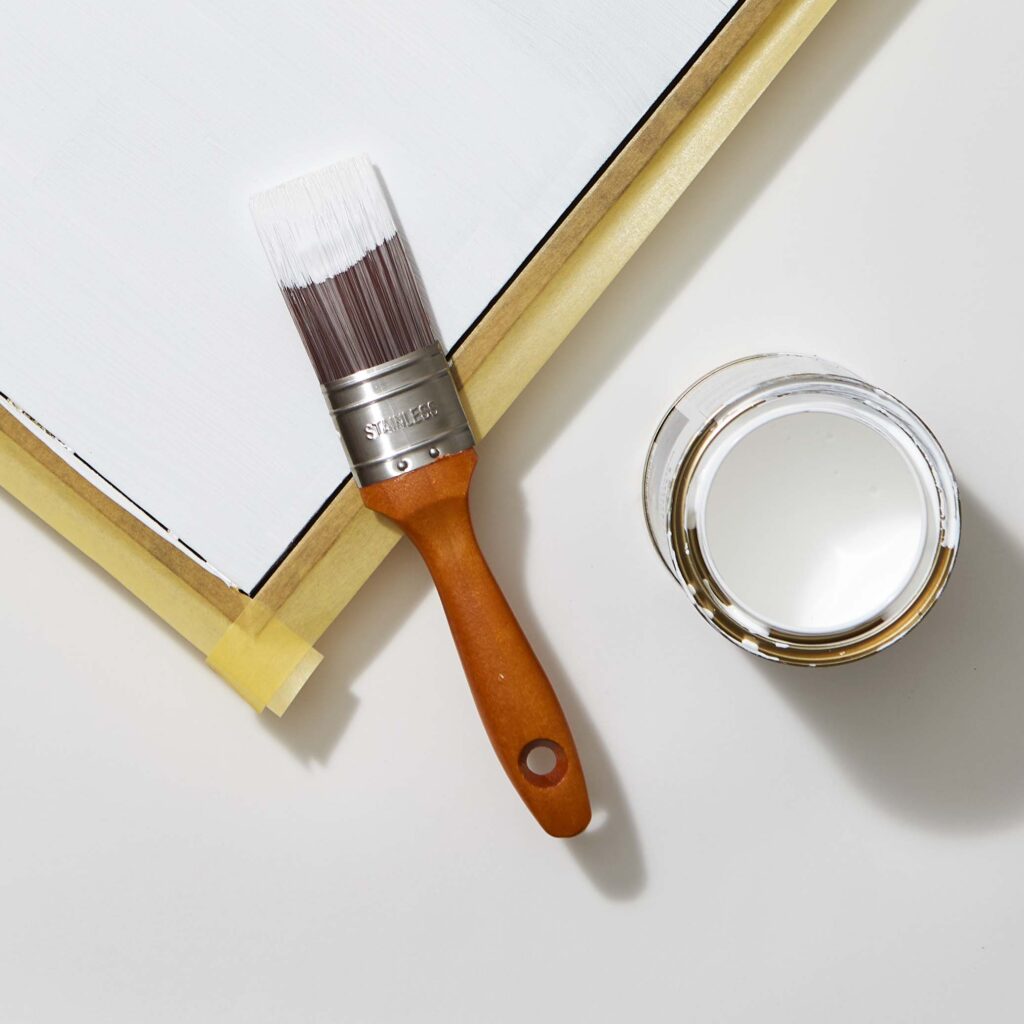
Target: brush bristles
<point>342,268</point>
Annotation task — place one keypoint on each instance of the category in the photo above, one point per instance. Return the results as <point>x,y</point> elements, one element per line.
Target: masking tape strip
<point>535,336</point>
<point>267,654</point>
<point>264,660</point>
<point>27,480</point>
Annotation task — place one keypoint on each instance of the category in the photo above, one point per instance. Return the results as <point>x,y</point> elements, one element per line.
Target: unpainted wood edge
<point>103,542</point>
<point>252,649</point>
<point>215,591</point>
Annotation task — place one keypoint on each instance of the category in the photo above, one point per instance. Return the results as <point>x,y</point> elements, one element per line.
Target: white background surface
<point>777,845</point>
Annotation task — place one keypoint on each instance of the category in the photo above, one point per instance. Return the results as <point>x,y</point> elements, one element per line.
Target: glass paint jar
<point>812,518</point>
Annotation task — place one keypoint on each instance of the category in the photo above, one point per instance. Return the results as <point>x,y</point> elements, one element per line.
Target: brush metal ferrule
<point>399,416</point>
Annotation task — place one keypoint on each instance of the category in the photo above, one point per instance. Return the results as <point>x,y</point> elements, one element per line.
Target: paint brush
<point>357,303</point>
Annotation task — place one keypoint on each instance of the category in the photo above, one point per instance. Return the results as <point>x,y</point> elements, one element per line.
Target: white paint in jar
<point>811,517</point>
<point>814,522</point>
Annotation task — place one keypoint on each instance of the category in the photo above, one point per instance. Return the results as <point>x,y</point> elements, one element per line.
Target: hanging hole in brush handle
<point>543,763</point>
<point>517,704</point>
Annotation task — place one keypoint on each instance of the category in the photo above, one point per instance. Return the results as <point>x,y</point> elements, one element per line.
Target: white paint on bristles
<point>320,224</point>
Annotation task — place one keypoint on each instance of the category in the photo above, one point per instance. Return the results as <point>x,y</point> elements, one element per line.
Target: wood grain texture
<point>516,702</point>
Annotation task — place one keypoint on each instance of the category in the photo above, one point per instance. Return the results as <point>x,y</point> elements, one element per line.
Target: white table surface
<point>776,845</point>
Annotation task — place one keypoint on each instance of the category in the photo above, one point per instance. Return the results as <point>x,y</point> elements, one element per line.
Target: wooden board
<point>141,324</point>
<point>494,361</point>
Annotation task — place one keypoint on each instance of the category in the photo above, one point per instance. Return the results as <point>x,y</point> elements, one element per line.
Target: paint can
<point>812,518</point>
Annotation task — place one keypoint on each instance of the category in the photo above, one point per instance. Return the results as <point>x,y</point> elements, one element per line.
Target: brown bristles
<point>367,315</point>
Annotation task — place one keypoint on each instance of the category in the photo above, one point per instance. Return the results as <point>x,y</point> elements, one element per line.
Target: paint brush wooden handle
<point>518,707</point>
<point>353,294</point>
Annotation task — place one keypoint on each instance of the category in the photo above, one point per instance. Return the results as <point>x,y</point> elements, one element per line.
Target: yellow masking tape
<point>264,660</point>
<point>101,540</point>
<point>260,656</point>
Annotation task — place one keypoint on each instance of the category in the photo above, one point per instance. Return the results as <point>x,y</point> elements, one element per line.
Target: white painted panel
<point>138,320</point>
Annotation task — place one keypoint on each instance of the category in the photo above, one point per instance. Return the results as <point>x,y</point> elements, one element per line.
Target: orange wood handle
<point>518,707</point>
